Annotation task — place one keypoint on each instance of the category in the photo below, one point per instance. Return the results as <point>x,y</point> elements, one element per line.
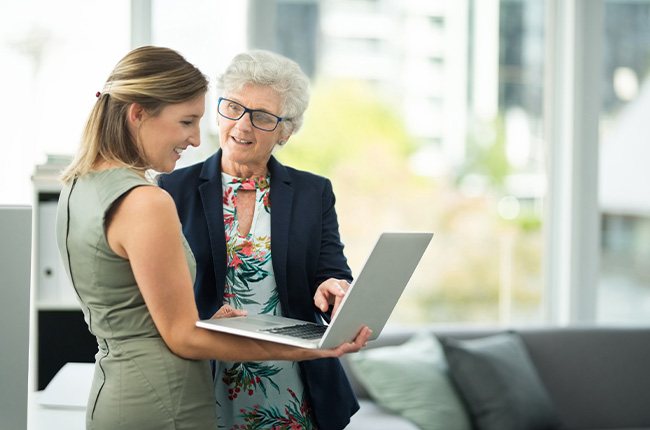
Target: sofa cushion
<point>370,416</point>
<point>411,380</point>
<point>499,383</point>
<point>597,376</point>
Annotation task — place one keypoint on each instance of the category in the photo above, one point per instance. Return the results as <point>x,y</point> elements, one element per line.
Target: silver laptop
<point>369,300</point>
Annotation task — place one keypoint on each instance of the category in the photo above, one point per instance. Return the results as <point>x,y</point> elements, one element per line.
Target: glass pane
<point>624,289</point>
<point>428,116</point>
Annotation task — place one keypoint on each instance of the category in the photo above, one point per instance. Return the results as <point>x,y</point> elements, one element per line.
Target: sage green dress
<point>138,382</point>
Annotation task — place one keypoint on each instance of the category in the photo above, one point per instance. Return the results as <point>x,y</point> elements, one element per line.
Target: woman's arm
<point>145,229</point>
<point>332,262</point>
<point>334,275</point>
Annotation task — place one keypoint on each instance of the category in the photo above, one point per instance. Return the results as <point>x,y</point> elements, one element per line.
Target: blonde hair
<point>153,77</point>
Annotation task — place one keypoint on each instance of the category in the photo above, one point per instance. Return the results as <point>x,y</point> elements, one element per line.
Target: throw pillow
<point>411,380</point>
<point>499,383</point>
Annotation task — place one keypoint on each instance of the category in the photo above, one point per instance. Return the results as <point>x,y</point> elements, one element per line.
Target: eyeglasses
<point>260,119</point>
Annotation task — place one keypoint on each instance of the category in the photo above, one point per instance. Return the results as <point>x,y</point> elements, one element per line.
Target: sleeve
<point>332,262</point>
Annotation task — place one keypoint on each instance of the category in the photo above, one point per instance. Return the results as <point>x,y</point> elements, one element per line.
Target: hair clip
<point>97,94</point>
<point>107,87</point>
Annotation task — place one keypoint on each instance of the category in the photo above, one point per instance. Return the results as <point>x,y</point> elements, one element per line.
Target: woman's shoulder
<point>106,186</point>
<point>305,184</point>
<point>147,200</point>
<point>149,204</point>
<point>303,176</point>
<point>115,177</point>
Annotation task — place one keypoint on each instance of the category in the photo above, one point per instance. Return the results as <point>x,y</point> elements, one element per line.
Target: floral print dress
<point>255,395</point>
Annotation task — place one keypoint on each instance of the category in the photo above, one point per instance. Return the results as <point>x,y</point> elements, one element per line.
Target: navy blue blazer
<point>305,249</point>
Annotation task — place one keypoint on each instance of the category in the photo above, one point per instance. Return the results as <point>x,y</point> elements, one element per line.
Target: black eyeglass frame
<point>250,112</point>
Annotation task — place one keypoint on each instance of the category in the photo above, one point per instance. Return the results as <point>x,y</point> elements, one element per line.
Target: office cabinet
<point>15,271</point>
<point>54,289</point>
<point>63,337</point>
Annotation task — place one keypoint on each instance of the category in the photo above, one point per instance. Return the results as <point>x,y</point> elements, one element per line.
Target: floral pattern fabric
<point>255,395</point>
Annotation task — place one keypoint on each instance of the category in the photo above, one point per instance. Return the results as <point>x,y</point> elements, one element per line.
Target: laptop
<point>369,301</point>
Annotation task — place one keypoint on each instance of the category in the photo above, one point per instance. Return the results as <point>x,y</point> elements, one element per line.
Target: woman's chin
<point>167,168</point>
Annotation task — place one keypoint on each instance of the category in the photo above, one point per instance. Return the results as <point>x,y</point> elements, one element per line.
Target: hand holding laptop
<point>362,338</point>
<point>227,311</point>
<point>345,348</point>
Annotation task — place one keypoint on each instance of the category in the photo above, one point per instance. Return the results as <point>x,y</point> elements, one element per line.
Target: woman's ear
<point>135,114</point>
<point>285,134</point>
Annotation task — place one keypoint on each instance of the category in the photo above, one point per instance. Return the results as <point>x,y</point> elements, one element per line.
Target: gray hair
<point>265,68</point>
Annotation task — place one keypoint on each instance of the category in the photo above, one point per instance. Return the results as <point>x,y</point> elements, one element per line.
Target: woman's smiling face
<point>246,149</point>
<point>163,137</point>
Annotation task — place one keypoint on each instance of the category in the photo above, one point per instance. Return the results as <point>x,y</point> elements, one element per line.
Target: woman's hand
<point>359,342</point>
<point>227,311</point>
<point>330,292</point>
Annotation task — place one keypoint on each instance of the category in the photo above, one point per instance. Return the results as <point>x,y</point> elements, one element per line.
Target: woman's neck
<point>243,171</point>
<point>105,165</point>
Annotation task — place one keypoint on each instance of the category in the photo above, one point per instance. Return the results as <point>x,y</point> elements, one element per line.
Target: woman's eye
<point>187,122</point>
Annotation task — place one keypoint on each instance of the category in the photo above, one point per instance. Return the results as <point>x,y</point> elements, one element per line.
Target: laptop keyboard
<point>303,331</point>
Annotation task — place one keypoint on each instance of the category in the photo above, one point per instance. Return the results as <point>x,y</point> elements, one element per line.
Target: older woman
<point>265,238</point>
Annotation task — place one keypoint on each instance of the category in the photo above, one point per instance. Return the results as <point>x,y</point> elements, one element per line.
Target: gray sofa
<point>598,378</point>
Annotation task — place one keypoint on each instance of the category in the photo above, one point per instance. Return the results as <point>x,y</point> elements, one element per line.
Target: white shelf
<point>48,305</point>
<point>40,417</point>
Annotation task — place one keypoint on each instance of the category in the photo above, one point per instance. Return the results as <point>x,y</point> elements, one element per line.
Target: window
<point>624,287</point>
<point>426,116</point>
<point>55,57</point>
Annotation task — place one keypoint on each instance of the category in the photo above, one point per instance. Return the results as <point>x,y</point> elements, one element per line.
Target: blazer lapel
<point>211,197</point>
<point>281,202</point>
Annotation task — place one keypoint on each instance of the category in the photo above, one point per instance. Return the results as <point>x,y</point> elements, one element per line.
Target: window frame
<point>572,106</point>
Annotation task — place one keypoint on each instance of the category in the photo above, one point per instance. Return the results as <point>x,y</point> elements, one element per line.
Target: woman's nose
<point>195,138</point>
<point>245,122</point>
